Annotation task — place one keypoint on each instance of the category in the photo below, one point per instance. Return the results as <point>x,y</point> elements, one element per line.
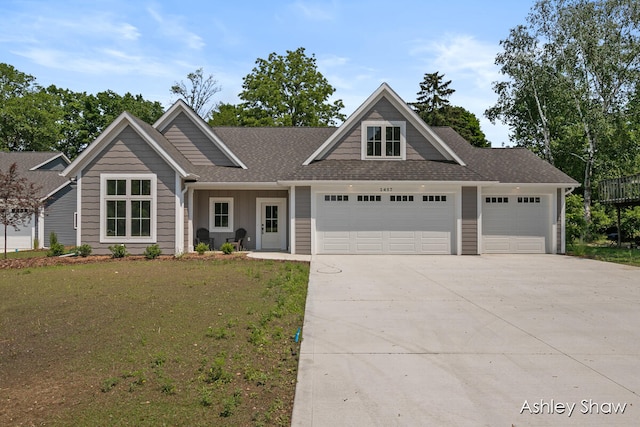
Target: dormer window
<point>383,140</point>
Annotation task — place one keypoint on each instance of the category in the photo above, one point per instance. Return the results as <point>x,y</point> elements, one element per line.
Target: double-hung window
<point>128,208</point>
<point>383,140</point>
<point>220,214</point>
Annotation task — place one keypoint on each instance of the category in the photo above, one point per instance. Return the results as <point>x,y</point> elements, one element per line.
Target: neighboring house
<point>59,194</point>
<point>383,182</point>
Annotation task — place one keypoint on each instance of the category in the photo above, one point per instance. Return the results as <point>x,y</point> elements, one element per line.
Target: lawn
<point>606,253</point>
<point>164,342</point>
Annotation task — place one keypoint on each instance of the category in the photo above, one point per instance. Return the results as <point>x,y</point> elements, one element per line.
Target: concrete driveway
<point>491,340</point>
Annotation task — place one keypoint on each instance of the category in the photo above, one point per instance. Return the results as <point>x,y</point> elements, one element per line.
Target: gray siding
<point>58,164</point>
<point>244,212</point>
<point>128,153</point>
<point>193,143</point>
<point>303,220</point>
<point>58,216</point>
<point>418,147</point>
<point>469,221</point>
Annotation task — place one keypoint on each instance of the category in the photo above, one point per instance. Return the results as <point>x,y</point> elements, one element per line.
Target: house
<point>58,193</point>
<point>382,182</point>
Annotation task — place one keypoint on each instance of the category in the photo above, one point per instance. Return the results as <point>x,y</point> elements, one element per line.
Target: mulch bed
<point>50,261</point>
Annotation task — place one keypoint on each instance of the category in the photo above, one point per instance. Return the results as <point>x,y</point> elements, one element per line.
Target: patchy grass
<point>174,342</point>
<point>40,253</point>
<point>606,253</point>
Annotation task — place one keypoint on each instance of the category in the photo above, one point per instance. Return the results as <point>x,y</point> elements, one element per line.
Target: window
<point>336,198</point>
<point>528,199</point>
<point>434,198</point>
<point>128,208</point>
<point>383,140</point>
<point>401,198</point>
<point>221,214</point>
<point>496,200</point>
<point>367,198</point>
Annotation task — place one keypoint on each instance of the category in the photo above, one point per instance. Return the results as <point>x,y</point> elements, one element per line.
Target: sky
<point>144,47</point>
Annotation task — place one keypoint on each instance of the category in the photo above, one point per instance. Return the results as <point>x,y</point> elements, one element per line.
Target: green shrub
<point>202,247</point>
<point>226,248</point>
<point>118,251</point>
<point>55,248</point>
<point>84,250</point>
<point>152,251</point>
<point>576,226</point>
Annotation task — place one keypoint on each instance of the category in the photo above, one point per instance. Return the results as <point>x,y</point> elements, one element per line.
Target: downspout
<point>182,195</point>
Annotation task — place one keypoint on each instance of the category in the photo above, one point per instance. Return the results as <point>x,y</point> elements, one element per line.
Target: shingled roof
<point>48,180</point>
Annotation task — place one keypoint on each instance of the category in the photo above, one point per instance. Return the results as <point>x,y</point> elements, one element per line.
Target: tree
<point>572,71</point>
<point>198,92</point>
<point>19,201</point>
<point>226,115</point>
<point>434,108</point>
<point>288,91</point>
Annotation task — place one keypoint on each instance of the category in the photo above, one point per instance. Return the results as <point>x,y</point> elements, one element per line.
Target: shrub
<point>55,248</point>
<point>152,251</point>
<point>118,251</point>
<point>226,248</point>
<point>575,223</point>
<point>202,247</point>
<point>84,250</point>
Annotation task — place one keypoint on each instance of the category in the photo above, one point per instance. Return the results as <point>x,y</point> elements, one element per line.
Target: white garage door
<point>21,239</point>
<point>515,224</point>
<point>384,223</point>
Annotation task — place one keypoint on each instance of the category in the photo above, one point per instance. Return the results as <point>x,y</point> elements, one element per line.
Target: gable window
<point>220,214</point>
<point>128,208</point>
<point>383,140</point>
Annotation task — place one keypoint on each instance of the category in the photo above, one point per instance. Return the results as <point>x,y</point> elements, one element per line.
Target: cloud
<point>171,27</point>
<point>460,56</point>
<point>315,11</point>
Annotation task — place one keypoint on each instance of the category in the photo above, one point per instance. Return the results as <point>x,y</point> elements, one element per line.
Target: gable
<point>58,163</point>
<point>193,143</point>
<point>349,146</point>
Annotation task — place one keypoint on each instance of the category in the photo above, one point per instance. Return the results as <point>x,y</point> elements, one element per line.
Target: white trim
<point>79,208</point>
<point>563,221</point>
<point>179,216</point>
<point>40,230</point>
<point>386,183</point>
<point>365,124</point>
<point>65,158</point>
<point>181,107</point>
<point>281,201</point>
<point>292,220</point>
<point>102,141</point>
<point>237,185</point>
<point>479,221</point>
<point>457,200</point>
<point>190,220</point>
<point>385,91</point>
<point>55,191</point>
<point>154,208</point>
<point>212,227</point>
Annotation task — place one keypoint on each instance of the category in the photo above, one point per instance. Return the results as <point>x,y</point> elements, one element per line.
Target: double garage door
<point>385,223</point>
<point>515,224</point>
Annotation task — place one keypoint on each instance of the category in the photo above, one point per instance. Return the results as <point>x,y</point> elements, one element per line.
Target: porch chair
<point>202,236</point>
<point>236,241</point>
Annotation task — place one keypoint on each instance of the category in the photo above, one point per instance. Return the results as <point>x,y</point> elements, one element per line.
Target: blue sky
<point>145,46</point>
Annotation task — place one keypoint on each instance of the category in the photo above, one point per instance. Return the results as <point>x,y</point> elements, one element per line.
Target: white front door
<point>272,224</point>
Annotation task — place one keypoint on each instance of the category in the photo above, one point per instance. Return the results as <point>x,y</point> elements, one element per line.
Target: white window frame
<point>212,202</point>
<point>384,123</point>
<point>153,197</point>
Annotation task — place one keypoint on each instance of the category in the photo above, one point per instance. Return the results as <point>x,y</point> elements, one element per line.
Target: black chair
<point>202,236</point>
<point>236,241</point>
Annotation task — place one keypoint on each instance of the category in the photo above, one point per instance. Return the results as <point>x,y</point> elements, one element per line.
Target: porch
<point>264,214</point>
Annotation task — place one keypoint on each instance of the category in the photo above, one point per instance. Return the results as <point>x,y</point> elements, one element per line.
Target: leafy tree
<point>288,91</point>
<point>198,92</point>
<point>434,108</point>
<point>226,115</point>
<point>572,71</point>
<point>19,201</point>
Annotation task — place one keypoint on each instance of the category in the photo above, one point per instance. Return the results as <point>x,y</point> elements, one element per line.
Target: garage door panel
<point>385,226</point>
<point>529,245</point>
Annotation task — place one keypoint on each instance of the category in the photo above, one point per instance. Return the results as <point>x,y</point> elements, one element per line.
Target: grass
<point>146,343</point>
<point>24,254</point>
<point>606,253</point>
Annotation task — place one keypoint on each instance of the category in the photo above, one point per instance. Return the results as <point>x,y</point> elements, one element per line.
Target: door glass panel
<point>271,219</point>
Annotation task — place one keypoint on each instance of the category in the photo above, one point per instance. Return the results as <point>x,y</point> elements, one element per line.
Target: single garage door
<point>385,223</point>
<point>515,224</point>
<point>21,239</point>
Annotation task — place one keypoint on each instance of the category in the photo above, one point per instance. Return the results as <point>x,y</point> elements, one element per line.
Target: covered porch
<point>263,213</point>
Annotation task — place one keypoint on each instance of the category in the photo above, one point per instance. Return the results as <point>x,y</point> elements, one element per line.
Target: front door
<point>272,225</point>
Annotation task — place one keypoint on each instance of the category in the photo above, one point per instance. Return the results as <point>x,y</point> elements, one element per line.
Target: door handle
<point>262,229</point>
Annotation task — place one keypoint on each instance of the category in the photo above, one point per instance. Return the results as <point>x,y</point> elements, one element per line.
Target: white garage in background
<point>21,239</point>
<point>516,223</point>
<point>375,223</point>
